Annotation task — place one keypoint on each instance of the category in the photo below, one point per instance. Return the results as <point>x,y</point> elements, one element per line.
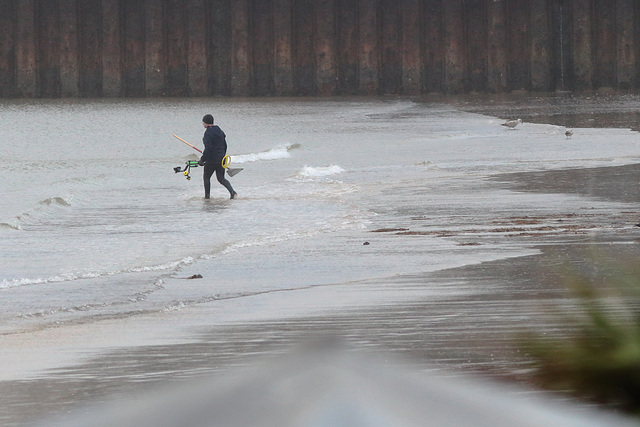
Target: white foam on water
<point>279,152</point>
<point>319,172</point>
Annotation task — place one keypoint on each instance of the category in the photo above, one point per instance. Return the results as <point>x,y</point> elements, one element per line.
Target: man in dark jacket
<point>215,148</point>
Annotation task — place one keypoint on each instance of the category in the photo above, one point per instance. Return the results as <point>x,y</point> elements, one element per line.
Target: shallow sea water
<point>96,223</point>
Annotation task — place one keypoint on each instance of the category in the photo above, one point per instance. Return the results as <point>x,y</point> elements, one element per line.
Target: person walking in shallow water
<point>215,148</point>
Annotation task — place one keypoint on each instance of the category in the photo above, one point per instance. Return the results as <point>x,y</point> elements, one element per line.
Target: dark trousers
<point>209,169</point>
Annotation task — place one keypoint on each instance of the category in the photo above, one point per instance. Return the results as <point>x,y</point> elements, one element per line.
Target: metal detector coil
<point>226,160</point>
<point>187,168</point>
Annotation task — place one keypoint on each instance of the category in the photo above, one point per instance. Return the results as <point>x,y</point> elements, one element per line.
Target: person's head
<point>207,120</point>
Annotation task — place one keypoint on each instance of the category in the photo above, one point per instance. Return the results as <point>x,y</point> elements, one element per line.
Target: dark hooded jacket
<point>215,145</point>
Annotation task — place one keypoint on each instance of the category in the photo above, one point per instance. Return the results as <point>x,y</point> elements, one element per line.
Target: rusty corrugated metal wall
<point>94,48</point>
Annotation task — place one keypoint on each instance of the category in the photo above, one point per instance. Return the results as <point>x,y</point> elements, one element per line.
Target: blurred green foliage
<point>594,349</point>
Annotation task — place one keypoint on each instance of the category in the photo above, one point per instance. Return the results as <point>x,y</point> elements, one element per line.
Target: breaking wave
<point>67,277</point>
<point>36,210</point>
<point>53,201</point>
<point>310,172</point>
<point>9,226</point>
<point>280,152</point>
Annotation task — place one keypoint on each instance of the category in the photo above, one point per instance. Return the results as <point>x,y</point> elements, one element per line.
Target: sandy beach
<point>470,332</point>
<point>423,235</point>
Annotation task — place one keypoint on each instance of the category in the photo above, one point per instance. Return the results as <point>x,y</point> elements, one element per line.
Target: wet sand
<point>593,110</point>
<point>618,184</point>
<point>471,332</point>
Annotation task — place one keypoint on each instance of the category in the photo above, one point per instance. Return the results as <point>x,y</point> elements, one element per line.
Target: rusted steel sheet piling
<point>476,44</point>
<point>325,48</point>
<point>433,57</point>
<point>412,42</point>
<point>25,48</point>
<point>540,45</point>
<point>7,48</point>
<point>626,48</point>
<point>496,78</point>
<point>69,66</point>
<point>111,50</point>
<point>582,44</point>
<point>347,39</point>
<point>455,67</point>
<point>137,48</point>
<point>133,49</point>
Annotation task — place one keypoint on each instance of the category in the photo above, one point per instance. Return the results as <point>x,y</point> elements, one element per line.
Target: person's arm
<point>207,140</point>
